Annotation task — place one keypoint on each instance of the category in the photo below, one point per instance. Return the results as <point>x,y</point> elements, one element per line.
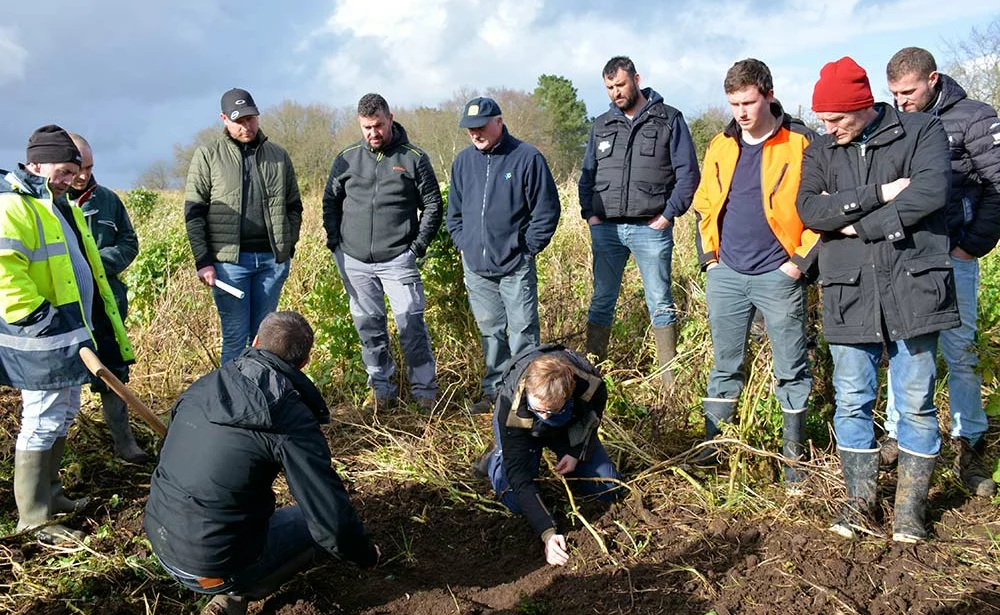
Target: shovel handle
<point>96,367</point>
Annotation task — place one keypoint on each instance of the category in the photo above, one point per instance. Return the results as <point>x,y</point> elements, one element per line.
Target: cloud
<point>423,51</point>
<point>15,58</point>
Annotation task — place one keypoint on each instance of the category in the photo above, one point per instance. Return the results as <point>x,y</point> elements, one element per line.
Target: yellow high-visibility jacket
<point>42,317</point>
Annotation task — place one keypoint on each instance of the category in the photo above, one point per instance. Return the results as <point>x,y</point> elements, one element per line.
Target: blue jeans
<point>611,244</point>
<point>597,465</point>
<point>288,541</point>
<point>732,299</point>
<point>912,373</point>
<point>958,346</point>
<point>261,278</point>
<point>506,310</point>
<point>367,286</point>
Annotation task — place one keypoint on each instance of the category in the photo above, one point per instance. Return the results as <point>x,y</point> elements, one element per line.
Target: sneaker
<point>888,453</point>
<point>971,468</point>
<point>483,406</point>
<point>381,404</point>
<point>225,604</point>
<point>426,404</point>
<point>481,469</point>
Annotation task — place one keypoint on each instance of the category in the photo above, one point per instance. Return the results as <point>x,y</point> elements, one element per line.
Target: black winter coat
<point>974,140</point>
<point>894,280</point>
<point>230,435</point>
<point>372,200</point>
<point>522,434</point>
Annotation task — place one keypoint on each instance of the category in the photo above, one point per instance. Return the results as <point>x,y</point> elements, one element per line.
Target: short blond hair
<point>549,378</point>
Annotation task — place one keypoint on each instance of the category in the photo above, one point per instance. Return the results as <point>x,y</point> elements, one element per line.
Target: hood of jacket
<point>652,97</point>
<point>23,181</point>
<point>256,386</point>
<point>949,93</point>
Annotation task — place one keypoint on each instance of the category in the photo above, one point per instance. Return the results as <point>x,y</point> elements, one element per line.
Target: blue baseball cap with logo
<point>478,112</point>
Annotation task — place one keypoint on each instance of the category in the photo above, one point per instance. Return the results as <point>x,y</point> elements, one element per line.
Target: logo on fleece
<point>604,146</point>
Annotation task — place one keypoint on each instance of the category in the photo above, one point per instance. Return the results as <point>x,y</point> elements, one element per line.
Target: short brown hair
<point>371,104</point>
<point>616,64</point>
<point>286,334</point>
<point>747,73</point>
<point>549,378</point>
<point>909,60</point>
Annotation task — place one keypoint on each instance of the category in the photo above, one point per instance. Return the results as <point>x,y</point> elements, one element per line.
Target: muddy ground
<point>665,554</point>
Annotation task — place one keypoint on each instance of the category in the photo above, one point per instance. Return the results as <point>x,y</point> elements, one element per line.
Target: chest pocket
<point>604,144</point>
<point>647,141</point>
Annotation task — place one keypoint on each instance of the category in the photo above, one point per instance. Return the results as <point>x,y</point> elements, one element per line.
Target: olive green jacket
<point>213,208</point>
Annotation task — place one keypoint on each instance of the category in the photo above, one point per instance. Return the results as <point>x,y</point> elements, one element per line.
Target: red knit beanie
<point>842,86</point>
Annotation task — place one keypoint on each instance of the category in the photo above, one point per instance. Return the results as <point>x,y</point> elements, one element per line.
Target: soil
<point>441,556</point>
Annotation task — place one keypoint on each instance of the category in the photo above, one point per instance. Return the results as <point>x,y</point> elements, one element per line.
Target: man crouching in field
<point>548,397</point>
<point>211,518</point>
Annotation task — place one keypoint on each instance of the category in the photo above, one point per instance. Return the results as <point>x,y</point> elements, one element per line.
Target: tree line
<point>552,117</point>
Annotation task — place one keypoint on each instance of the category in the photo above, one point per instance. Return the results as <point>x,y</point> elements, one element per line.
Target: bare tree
<point>158,176</point>
<point>975,63</point>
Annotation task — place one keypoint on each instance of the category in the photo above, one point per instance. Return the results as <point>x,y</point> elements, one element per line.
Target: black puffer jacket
<point>896,275</point>
<point>974,139</point>
<point>372,199</point>
<point>522,434</point>
<point>230,435</point>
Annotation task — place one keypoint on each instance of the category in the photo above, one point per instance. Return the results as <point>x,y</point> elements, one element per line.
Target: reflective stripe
<point>54,342</point>
<point>35,256</point>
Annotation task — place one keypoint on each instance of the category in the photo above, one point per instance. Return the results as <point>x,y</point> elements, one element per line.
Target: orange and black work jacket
<point>781,170</point>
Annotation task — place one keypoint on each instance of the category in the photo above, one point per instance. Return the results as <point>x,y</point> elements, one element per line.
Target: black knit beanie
<point>52,144</point>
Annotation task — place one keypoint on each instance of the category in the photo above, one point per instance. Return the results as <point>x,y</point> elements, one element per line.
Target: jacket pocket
<point>651,189</point>
<point>843,301</point>
<point>604,144</point>
<point>930,287</point>
<point>647,141</point>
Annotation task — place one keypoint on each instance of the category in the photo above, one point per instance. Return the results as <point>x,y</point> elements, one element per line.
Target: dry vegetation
<point>680,543</point>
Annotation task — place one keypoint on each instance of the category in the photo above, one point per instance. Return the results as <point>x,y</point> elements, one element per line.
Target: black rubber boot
<point>859,514</point>
<point>915,474</point>
<point>718,412</point>
<point>32,493</point>
<point>793,448</point>
<point>598,337</point>
<point>116,416</point>
<point>60,503</point>
<point>666,350</point>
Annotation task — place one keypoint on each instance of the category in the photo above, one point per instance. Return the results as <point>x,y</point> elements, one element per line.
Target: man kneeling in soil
<point>211,518</point>
<point>548,397</point>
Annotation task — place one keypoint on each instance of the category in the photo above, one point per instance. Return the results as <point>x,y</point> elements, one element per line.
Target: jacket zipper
<point>486,187</point>
<point>371,248</point>
<point>781,177</point>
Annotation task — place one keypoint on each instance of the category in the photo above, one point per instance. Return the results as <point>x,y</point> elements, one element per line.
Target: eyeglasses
<point>546,411</point>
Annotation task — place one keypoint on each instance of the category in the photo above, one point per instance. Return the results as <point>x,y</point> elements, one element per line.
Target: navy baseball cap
<point>237,103</point>
<point>478,112</point>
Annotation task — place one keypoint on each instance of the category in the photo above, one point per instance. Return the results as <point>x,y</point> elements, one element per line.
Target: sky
<point>137,77</point>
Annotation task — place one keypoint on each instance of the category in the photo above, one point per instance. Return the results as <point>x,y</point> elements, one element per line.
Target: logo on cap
<point>473,110</point>
<point>240,102</point>
<point>234,115</point>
